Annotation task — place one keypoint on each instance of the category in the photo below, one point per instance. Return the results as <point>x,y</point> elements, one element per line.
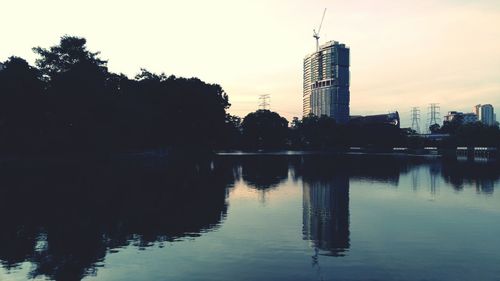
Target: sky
<point>404,53</point>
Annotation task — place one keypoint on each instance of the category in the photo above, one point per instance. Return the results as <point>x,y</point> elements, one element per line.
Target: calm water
<point>253,217</point>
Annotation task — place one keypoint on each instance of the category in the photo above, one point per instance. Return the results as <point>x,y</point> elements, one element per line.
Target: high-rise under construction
<point>326,82</point>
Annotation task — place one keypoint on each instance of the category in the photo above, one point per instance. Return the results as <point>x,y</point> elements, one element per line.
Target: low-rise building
<point>463,118</point>
<point>389,118</point>
<point>477,110</point>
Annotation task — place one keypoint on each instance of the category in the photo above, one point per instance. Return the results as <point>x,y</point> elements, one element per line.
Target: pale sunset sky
<point>403,53</point>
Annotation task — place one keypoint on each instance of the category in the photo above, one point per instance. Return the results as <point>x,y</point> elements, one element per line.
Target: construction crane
<point>316,34</point>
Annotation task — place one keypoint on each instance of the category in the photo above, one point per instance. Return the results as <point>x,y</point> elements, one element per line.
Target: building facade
<point>477,110</point>
<point>326,82</point>
<point>388,119</point>
<point>462,118</point>
<point>487,115</point>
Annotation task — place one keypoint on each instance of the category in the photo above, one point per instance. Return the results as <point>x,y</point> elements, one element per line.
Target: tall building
<point>487,115</point>
<point>326,82</point>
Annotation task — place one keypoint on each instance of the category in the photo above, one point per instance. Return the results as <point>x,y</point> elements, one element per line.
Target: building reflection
<point>65,218</point>
<point>434,172</point>
<point>326,214</point>
<point>486,186</point>
<point>481,175</point>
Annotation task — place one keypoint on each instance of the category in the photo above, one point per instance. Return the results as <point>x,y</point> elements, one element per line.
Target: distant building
<point>326,82</point>
<point>462,118</point>
<point>469,118</point>
<point>487,116</point>
<point>485,113</point>
<point>389,118</point>
<point>477,110</point>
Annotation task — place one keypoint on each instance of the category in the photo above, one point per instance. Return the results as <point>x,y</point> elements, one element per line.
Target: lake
<point>250,217</point>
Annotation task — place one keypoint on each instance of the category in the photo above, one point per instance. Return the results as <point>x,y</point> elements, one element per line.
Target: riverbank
<point>428,152</point>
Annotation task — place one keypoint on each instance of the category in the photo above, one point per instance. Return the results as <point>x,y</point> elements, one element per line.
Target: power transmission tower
<point>264,102</point>
<point>415,119</point>
<point>433,114</point>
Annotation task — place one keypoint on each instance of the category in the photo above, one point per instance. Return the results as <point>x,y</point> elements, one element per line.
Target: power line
<point>433,114</point>
<point>415,119</point>
<point>264,102</point>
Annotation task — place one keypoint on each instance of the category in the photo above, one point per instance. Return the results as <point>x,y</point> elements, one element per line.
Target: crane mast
<point>316,34</point>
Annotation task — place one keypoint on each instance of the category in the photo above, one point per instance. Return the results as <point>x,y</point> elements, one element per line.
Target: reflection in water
<point>415,175</point>
<point>482,175</point>
<point>485,186</point>
<point>326,214</point>
<point>434,171</point>
<point>65,218</point>
<point>264,171</point>
<point>325,203</point>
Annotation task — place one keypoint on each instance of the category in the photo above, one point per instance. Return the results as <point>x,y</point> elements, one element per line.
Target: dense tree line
<point>267,129</point>
<point>468,134</point>
<point>264,129</point>
<point>71,102</point>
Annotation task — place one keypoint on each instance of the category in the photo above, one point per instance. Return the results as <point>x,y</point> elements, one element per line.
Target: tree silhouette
<point>317,132</point>
<point>70,52</point>
<point>264,129</point>
<point>72,103</point>
<point>22,106</point>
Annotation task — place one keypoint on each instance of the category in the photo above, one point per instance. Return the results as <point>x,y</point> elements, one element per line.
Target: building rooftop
<point>326,45</point>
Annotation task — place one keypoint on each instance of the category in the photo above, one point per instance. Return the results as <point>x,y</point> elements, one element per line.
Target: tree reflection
<point>264,171</point>
<point>65,217</point>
